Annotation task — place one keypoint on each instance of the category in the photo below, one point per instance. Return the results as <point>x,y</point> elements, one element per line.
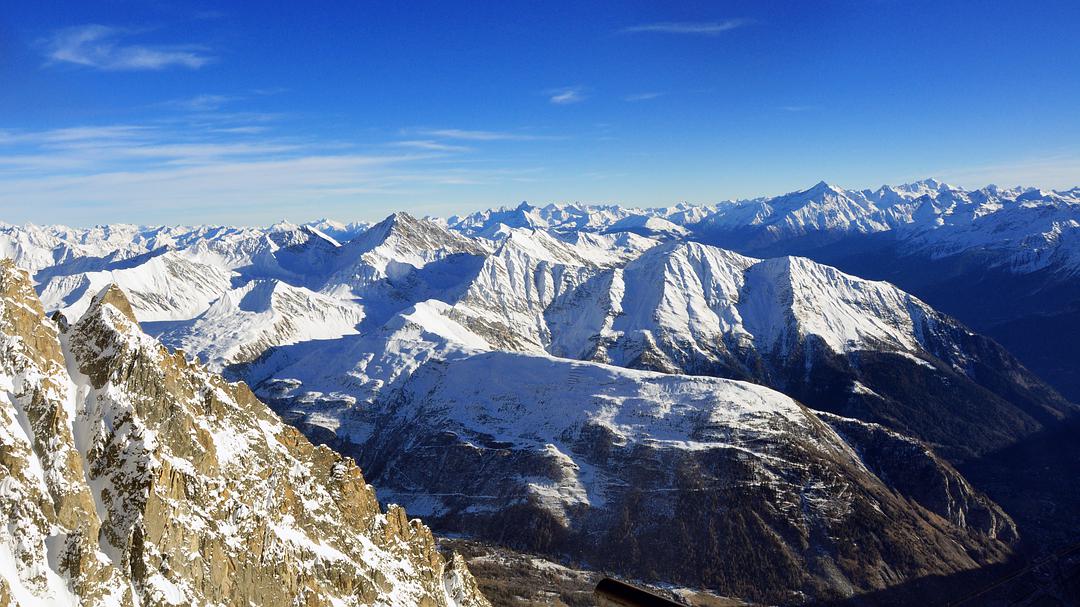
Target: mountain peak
<point>400,240</point>
<point>402,224</point>
<point>821,187</point>
<point>283,226</point>
<point>114,296</point>
<point>395,222</point>
<point>398,217</point>
<point>928,184</point>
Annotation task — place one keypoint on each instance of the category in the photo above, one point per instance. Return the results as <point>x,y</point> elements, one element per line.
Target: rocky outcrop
<point>914,471</point>
<point>131,475</point>
<point>48,543</point>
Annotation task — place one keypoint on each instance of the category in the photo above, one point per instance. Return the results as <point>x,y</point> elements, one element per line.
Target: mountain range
<point>725,397</point>
<point>1002,260</point>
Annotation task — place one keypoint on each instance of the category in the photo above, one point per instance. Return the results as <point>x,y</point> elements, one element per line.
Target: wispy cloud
<point>130,147</point>
<point>241,130</point>
<point>178,170</point>
<point>209,15</point>
<point>201,103</point>
<point>69,135</point>
<point>105,48</point>
<point>237,190</point>
<point>475,135</point>
<point>566,95</point>
<point>431,145</point>
<point>643,96</point>
<point>700,28</point>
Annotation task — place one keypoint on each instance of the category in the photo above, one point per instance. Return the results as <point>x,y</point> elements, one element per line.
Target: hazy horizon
<point>312,219</point>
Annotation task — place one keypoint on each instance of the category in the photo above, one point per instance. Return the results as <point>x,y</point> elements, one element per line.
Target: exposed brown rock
<point>114,296</point>
<point>205,496</point>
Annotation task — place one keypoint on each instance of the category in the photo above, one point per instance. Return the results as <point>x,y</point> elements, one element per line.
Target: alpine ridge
<point>133,476</point>
<point>1002,260</point>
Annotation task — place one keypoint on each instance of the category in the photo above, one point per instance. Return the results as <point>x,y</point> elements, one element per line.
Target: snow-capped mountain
<point>1025,229</point>
<point>632,471</point>
<point>574,218</point>
<point>527,368</point>
<point>1037,226</point>
<point>1002,260</point>
<point>1028,227</point>
<point>339,231</point>
<point>163,287</point>
<point>391,251</point>
<point>835,341</point>
<point>243,323</point>
<point>131,476</point>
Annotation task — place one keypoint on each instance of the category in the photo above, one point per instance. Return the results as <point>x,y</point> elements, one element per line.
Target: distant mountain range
<point>655,392</point>
<point>1002,260</point>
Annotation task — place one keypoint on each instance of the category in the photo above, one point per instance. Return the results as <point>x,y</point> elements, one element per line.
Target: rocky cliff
<point>131,476</point>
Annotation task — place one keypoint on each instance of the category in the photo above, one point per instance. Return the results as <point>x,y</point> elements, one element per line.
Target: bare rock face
<point>917,473</point>
<point>130,475</point>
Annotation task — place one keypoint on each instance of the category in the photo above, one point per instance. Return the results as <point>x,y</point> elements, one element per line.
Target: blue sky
<point>186,112</point>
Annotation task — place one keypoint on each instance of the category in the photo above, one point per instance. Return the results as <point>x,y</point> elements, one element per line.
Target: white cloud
<point>643,96</point>
<point>176,170</point>
<point>566,95</point>
<point>232,190</point>
<point>473,135</point>
<point>102,47</point>
<point>209,102</point>
<point>700,28</point>
<point>201,103</point>
<point>73,135</point>
<point>434,146</point>
<point>242,130</point>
